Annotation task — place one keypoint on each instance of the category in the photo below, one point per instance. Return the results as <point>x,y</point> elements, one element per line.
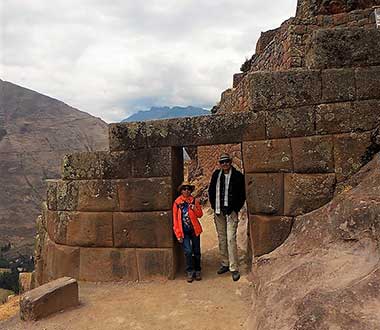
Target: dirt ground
<point>216,302</point>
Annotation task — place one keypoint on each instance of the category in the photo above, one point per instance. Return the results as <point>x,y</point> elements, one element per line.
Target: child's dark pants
<point>192,250</point>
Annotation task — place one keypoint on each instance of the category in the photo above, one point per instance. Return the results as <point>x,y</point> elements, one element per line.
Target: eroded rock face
<point>326,275</point>
<point>307,8</point>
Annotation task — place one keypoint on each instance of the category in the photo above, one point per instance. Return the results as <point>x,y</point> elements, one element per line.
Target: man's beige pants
<point>226,227</point>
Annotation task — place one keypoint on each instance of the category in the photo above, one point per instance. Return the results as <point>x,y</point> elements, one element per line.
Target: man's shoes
<point>198,276</point>
<point>222,270</point>
<point>235,275</point>
<point>190,277</point>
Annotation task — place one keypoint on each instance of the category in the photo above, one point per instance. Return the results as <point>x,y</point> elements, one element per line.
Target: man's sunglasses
<point>186,188</point>
<point>224,162</point>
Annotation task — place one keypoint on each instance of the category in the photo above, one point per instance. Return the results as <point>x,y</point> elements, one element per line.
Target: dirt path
<point>216,302</point>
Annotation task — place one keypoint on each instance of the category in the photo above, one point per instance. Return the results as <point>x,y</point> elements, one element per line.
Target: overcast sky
<point>113,58</point>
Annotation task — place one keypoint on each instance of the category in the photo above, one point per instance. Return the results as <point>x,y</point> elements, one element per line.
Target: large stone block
<point>368,82</point>
<point>151,162</point>
<point>344,47</point>
<point>338,85</point>
<point>143,229</point>
<point>56,227</point>
<point>202,130</point>
<point>291,122</point>
<point>350,153</point>
<point>49,298</point>
<point>307,192</point>
<point>84,165</point>
<point>282,89</point>
<point>97,195</point>
<point>151,194</point>
<point>25,282</point>
<point>268,233</point>
<point>51,194</point>
<point>313,154</point>
<point>105,264</point>
<point>155,264</point>
<point>67,195</point>
<point>347,117</point>
<point>265,193</point>
<point>88,228</point>
<point>267,156</point>
<point>87,195</point>
<point>61,260</point>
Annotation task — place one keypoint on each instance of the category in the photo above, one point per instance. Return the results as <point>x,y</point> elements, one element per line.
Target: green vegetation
<point>246,66</point>
<point>13,266</point>
<point>9,280</point>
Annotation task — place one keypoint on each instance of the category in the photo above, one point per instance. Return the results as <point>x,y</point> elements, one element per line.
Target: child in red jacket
<point>187,229</point>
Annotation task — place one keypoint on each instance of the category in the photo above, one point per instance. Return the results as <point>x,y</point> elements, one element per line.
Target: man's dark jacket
<point>236,191</point>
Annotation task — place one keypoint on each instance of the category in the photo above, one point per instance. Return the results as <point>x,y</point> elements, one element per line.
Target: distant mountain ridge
<point>36,131</point>
<point>156,113</point>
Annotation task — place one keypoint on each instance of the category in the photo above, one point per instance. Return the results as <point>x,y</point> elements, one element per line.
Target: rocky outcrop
<point>327,273</point>
<point>36,131</point>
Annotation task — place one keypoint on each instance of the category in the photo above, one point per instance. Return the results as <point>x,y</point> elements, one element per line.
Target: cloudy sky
<point>113,58</point>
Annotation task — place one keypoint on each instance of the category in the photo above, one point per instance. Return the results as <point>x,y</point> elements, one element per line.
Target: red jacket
<point>193,214</point>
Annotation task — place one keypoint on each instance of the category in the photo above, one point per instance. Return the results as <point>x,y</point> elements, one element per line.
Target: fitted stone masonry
<point>303,132</point>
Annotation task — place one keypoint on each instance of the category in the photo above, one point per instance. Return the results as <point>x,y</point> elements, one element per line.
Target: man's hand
<point>180,240</point>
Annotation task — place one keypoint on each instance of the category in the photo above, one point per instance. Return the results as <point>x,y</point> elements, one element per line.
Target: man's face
<point>225,165</point>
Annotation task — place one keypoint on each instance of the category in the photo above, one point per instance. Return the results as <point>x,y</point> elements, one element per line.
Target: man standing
<point>227,196</point>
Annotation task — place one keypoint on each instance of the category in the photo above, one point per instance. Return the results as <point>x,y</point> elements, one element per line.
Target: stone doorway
<point>199,162</point>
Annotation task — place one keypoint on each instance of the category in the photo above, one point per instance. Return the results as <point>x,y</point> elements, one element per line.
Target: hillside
<point>167,112</point>
<point>35,132</point>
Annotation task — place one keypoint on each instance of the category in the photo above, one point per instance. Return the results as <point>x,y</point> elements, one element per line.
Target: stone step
<point>49,298</point>
<point>344,47</point>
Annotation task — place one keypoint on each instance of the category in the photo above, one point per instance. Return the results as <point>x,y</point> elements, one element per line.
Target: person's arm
<point>212,190</point>
<point>198,209</point>
<point>176,223</point>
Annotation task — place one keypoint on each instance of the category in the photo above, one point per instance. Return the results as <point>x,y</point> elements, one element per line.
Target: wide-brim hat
<point>184,184</point>
<point>224,157</point>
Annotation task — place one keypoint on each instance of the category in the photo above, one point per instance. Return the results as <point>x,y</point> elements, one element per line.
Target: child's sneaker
<point>190,277</point>
<point>198,276</point>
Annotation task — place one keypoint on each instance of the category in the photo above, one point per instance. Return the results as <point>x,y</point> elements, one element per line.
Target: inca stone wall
<point>109,217</point>
<point>303,133</point>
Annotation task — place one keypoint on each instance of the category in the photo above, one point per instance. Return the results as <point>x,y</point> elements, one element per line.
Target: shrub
<point>9,281</point>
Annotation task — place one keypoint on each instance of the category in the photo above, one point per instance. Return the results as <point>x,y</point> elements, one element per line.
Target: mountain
<point>167,112</point>
<point>35,132</point>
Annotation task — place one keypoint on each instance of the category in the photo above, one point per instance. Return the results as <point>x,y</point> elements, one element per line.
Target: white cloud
<point>116,57</point>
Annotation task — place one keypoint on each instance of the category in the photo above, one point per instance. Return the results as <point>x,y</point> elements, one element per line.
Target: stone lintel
<point>191,131</point>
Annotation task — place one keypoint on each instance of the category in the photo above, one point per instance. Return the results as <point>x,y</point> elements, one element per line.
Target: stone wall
<point>352,50</point>
<point>286,47</point>
<point>109,217</point>
<point>303,133</point>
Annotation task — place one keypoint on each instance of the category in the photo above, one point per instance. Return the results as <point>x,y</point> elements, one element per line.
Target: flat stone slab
<point>49,298</point>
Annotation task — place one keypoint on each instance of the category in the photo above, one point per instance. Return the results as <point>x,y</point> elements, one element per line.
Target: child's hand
<point>192,206</point>
<point>180,240</point>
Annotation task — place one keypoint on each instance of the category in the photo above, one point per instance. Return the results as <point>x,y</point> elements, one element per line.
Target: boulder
<point>49,298</point>
<point>326,275</point>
